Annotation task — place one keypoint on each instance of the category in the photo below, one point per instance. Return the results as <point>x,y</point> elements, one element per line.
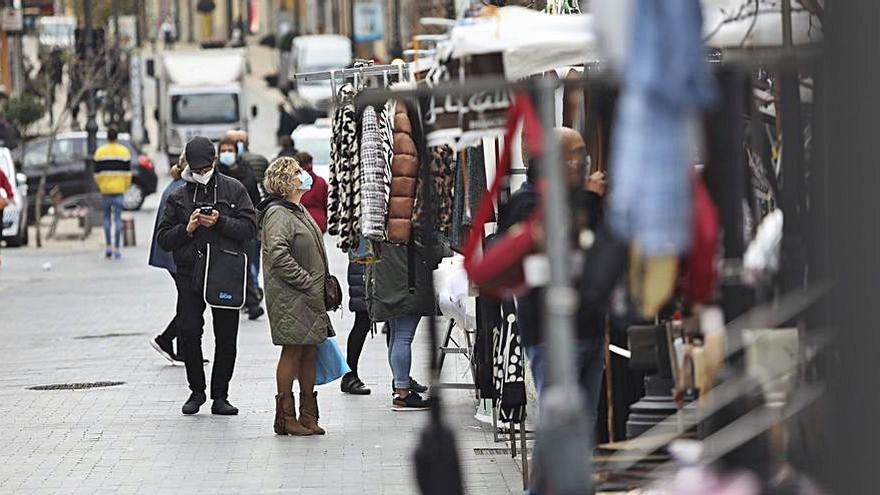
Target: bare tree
<point>85,76</point>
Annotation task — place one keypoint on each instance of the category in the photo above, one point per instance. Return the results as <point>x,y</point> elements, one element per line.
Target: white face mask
<point>203,179</point>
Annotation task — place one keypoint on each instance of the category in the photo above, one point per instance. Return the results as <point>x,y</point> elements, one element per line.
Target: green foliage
<point>24,111</point>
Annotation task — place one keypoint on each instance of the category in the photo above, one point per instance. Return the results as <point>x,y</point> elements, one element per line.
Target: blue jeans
<point>113,213</point>
<point>255,261</point>
<point>401,330</point>
<point>590,361</point>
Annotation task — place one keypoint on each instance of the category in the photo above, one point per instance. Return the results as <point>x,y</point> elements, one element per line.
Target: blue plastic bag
<point>330,364</point>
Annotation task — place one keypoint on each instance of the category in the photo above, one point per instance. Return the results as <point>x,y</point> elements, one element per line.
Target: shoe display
<point>222,407</point>
<point>195,401</point>
<point>352,384</point>
<point>165,349</point>
<point>411,402</point>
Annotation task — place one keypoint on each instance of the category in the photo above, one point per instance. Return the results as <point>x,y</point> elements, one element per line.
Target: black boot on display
<point>352,384</point>
<point>195,401</point>
<point>222,407</point>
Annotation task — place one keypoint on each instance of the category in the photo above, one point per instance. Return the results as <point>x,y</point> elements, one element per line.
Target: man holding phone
<point>210,209</point>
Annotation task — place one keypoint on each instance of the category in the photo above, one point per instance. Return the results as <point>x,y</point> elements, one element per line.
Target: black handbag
<point>225,278</point>
<point>332,292</point>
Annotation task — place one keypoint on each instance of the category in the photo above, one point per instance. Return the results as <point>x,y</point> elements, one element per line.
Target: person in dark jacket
<point>229,163</point>
<point>398,292</point>
<point>288,147</point>
<point>357,303</point>
<point>315,199</point>
<point>186,231</point>
<point>586,199</point>
<point>159,258</point>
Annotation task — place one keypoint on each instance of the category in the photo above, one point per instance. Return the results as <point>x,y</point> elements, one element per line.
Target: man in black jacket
<point>585,198</point>
<point>230,164</point>
<point>186,230</point>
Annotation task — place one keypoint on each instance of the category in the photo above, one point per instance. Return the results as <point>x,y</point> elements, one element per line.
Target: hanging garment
<point>374,201</point>
<point>666,82</point>
<point>509,373</point>
<point>443,174</point>
<point>460,223</point>
<point>404,177</point>
<point>344,202</point>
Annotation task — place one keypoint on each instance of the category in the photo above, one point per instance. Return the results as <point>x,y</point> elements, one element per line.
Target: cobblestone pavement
<point>67,316</point>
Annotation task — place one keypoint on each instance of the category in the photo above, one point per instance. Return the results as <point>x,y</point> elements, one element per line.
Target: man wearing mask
<point>210,209</point>
<point>256,162</point>
<point>585,196</point>
<point>229,163</point>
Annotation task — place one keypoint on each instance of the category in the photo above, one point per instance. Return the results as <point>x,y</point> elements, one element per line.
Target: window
<point>63,151</point>
<point>217,108</point>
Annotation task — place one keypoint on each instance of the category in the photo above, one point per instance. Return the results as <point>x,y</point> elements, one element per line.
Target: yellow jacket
<point>113,168</point>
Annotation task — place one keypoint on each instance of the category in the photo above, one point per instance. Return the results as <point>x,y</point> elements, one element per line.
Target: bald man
<point>585,197</point>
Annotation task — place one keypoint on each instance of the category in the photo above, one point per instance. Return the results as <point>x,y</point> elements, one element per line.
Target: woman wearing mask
<point>294,268</point>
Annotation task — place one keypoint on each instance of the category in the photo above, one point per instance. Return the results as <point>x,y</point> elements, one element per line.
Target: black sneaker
<point>412,402</point>
<point>165,349</point>
<point>416,386</point>
<point>352,384</point>
<point>222,407</point>
<point>253,315</point>
<point>195,401</point>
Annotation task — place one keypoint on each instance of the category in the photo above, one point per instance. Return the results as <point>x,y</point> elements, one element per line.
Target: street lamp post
<point>91,123</point>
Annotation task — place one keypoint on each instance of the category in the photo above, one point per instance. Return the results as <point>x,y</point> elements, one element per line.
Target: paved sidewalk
<point>87,319</point>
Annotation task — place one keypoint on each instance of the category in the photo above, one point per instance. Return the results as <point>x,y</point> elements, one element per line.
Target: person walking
<point>159,258</point>
<point>357,304</point>
<point>229,164</point>
<point>113,176</point>
<point>186,230</point>
<point>398,293</point>
<point>315,199</point>
<point>295,268</point>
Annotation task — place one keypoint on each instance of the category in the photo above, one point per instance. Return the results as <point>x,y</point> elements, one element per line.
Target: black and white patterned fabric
<point>343,210</point>
<point>508,370</point>
<point>374,188</point>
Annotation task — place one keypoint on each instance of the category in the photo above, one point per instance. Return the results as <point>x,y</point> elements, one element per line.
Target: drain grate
<point>110,335</point>
<point>494,451</point>
<point>75,386</point>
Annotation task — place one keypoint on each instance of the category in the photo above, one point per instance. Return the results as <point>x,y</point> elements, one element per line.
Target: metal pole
<point>191,22</point>
<point>565,440</point>
<point>114,6</point>
<point>397,42</point>
<point>787,40</point>
<point>351,27</point>
<point>91,124</point>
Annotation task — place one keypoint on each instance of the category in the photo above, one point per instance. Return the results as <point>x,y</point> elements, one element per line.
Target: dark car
<point>68,169</point>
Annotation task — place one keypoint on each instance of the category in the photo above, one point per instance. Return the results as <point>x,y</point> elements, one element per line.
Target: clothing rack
<point>349,73</point>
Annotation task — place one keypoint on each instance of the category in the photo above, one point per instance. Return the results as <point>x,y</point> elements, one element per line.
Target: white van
<point>317,53</point>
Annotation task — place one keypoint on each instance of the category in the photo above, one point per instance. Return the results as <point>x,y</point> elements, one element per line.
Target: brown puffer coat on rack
<point>404,178</point>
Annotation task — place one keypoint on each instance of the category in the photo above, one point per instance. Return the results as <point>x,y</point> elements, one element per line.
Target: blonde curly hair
<point>282,176</point>
<point>177,169</point>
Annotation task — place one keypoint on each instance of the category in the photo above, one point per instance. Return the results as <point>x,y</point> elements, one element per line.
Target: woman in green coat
<point>294,270</point>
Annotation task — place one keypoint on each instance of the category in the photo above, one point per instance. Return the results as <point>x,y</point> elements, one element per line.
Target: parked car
<point>15,216</point>
<point>68,168</point>
<point>315,139</point>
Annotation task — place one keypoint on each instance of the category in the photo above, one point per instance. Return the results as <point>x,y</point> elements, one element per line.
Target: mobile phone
<point>206,210</point>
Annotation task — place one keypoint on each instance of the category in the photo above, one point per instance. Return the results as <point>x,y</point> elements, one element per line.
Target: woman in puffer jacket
<point>357,303</point>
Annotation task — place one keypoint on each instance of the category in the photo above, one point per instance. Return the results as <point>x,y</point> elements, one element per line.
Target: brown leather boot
<point>285,417</point>
<point>308,413</point>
